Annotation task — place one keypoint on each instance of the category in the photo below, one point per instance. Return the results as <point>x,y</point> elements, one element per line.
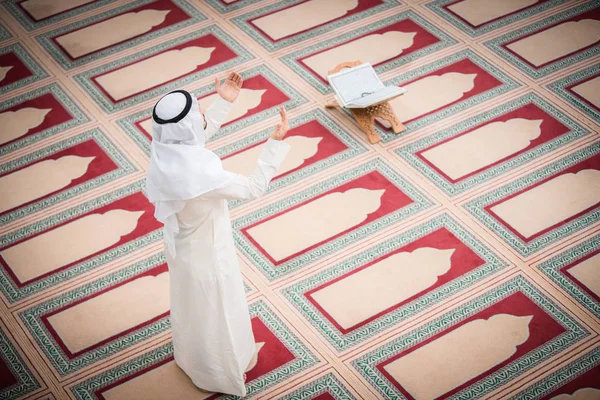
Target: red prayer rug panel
<point>580,90</point>
<point>374,197</point>
<point>383,286</point>
<point>99,319</point>
<point>37,115</point>
<point>474,348</point>
<point>291,21</point>
<point>18,68</point>
<point>104,34</point>
<point>63,246</point>
<point>575,271</point>
<point>281,356</point>
<point>35,14</point>
<point>553,43</point>
<point>545,206</point>
<point>478,17</point>
<point>444,88</point>
<point>59,172</point>
<point>162,68</point>
<point>491,144</point>
<point>579,379</point>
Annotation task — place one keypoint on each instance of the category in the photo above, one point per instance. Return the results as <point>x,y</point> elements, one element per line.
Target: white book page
<point>355,83</point>
<point>382,95</point>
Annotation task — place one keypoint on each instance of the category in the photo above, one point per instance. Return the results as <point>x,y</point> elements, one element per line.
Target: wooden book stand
<point>365,117</point>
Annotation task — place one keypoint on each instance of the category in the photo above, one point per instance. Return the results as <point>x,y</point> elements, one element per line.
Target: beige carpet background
<point>460,259</point>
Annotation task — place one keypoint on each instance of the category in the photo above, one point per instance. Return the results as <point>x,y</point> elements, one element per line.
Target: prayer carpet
<point>459,259</point>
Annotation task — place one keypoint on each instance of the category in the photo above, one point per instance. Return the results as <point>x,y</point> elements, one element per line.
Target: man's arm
<point>215,116</point>
<point>217,112</point>
<point>254,185</point>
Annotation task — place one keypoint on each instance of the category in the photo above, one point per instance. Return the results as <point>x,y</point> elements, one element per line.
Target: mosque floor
<point>459,259</point>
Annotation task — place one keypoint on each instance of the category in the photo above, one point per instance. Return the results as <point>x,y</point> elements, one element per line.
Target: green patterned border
<point>508,84</point>
<point>13,293</point>
<point>242,23</point>
<point>78,116</point>
<point>4,34</point>
<point>85,78</point>
<point>296,100</point>
<point>408,153</point>
<point>560,87</point>
<point>551,268</point>
<point>291,59</point>
<point>271,272</point>
<point>124,168</point>
<point>26,381</point>
<point>32,65</point>
<point>495,45</point>
<point>366,365</point>
<point>30,24</point>
<point>438,8</point>
<point>354,148</point>
<point>476,207</point>
<point>63,60</point>
<point>304,359</point>
<point>227,8</point>
<point>561,377</point>
<point>341,342</point>
<point>32,319</point>
<point>325,384</point>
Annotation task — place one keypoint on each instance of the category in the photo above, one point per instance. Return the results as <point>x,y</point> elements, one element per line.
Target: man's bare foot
<point>254,358</point>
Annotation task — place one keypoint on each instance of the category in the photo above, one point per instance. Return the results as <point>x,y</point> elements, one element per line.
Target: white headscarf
<point>180,167</point>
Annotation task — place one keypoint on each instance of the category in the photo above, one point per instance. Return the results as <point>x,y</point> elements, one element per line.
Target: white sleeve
<point>254,185</point>
<point>215,116</point>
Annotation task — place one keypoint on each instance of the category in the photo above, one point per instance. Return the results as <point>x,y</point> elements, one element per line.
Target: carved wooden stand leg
<point>365,117</point>
<point>386,112</point>
<point>366,121</point>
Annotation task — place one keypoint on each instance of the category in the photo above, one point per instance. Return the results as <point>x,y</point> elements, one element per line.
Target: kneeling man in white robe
<point>212,335</point>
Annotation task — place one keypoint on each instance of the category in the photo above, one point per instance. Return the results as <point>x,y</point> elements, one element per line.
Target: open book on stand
<point>360,87</point>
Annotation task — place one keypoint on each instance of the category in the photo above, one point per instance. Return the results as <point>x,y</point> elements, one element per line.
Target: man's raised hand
<point>282,128</point>
<point>230,90</point>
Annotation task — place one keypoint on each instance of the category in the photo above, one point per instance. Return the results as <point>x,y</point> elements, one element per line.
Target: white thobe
<point>212,335</point>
